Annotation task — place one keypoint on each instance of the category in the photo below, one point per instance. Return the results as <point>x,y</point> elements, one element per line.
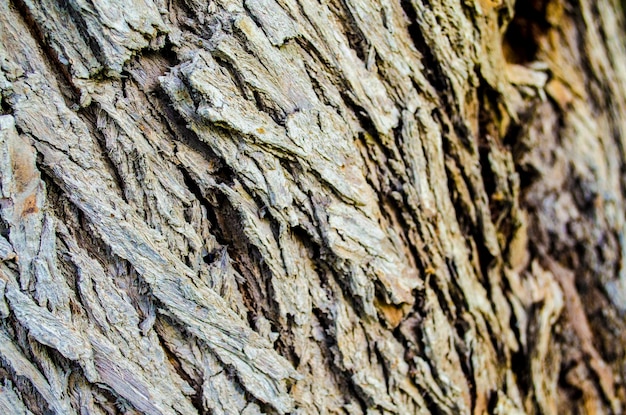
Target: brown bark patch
<point>23,168</point>
<point>30,205</point>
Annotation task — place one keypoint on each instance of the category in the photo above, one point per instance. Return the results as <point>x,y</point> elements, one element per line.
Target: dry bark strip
<point>293,206</point>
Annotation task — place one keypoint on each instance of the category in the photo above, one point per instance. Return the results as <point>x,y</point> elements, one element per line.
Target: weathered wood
<point>292,206</point>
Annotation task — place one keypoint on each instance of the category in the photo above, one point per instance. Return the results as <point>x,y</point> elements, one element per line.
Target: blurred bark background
<point>301,206</point>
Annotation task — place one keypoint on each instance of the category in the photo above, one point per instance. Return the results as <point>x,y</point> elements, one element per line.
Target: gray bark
<point>293,206</point>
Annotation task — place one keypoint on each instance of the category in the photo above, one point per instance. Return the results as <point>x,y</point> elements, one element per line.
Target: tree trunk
<point>294,206</point>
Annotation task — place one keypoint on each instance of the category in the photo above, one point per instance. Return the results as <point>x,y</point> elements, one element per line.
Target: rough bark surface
<point>294,206</point>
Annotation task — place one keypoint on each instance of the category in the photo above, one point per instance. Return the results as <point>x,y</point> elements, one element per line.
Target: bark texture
<point>295,206</point>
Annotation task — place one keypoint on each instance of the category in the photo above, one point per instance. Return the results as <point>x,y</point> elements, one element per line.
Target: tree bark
<point>293,206</point>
